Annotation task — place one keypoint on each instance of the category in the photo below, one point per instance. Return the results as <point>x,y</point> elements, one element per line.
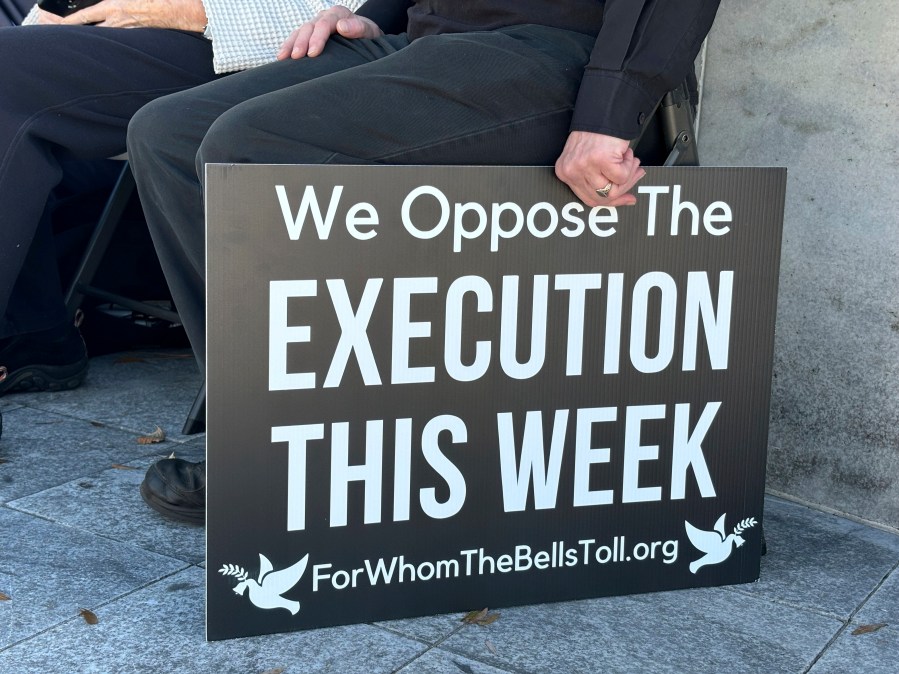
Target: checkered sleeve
<point>31,17</point>
<point>247,34</point>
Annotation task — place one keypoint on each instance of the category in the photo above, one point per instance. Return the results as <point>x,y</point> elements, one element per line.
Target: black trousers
<point>13,11</point>
<point>500,97</point>
<point>67,93</point>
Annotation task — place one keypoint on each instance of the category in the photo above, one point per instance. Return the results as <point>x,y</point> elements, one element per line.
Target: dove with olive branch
<point>716,546</point>
<point>267,590</point>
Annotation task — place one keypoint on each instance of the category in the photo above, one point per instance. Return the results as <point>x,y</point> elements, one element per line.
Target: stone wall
<point>813,86</point>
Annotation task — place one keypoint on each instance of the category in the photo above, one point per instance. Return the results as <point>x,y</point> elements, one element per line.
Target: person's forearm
<point>635,63</point>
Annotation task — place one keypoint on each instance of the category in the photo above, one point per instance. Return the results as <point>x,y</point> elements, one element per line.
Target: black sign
<point>436,389</point>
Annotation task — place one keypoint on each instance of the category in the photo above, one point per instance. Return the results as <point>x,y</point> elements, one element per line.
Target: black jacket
<point>644,48</point>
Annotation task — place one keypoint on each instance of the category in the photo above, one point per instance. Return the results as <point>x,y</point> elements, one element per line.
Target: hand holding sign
<point>590,161</point>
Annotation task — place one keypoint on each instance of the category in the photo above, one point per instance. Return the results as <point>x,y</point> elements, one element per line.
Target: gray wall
<point>813,86</point>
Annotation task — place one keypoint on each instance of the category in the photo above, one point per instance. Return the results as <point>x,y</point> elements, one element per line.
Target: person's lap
<point>500,97</point>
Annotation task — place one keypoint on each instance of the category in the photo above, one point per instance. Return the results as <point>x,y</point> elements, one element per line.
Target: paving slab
<point>871,653</point>
<point>883,606</point>
<point>437,661</point>
<point>134,391</point>
<point>50,572</point>
<point>430,629</point>
<point>109,504</point>
<point>704,630</point>
<point>821,562</point>
<point>160,629</point>
<point>43,449</point>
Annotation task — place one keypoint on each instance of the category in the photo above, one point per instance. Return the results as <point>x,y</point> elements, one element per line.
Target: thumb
<point>620,170</point>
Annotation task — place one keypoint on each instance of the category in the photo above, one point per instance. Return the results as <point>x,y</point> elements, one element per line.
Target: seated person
<point>67,91</point>
<point>531,82</point>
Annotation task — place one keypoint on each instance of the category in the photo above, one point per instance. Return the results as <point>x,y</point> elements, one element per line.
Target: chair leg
<point>196,418</point>
<point>100,239</point>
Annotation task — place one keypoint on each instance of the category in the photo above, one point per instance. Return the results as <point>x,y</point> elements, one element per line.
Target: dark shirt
<point>644,48</point>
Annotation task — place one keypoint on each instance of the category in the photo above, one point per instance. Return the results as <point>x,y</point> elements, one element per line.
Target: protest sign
<point>436,389</point>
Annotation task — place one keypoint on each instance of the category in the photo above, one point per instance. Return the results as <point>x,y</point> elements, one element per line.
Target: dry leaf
<point>490,646</point>
<point>488,619</point>
<point>156,436</point>
<point>276,670</point>
<point>89,616</point>
<point>482,617</point>
<point>97,424</point>
<point>4,460</point>
<point>120,466</point>
<point>474,616</point>
<point>867,629</point>
<point>5,597</point>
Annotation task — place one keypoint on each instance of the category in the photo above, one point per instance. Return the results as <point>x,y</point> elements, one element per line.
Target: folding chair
<point>81,285</point>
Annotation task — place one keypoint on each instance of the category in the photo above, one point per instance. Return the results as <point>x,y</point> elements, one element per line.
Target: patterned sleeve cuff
<point>31,18</point>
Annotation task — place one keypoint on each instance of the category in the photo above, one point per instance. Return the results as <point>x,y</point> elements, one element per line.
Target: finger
<point>619,172</point>
<point>287,46</point>
<point>358,27</point>
<point>351,28</point>
<point>88,15</point>
<point>301,43</point>
<point>621,194</point>
<point>321,33</point>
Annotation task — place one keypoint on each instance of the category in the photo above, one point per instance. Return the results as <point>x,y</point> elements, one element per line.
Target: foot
<point>55,360</point>
<point>177,489</point>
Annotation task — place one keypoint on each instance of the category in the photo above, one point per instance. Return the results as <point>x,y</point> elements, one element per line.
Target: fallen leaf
<point>482,617</point>
<point>867,629</point>
<point>120,466</point>
<point>89,616</point>
<point>4,460</point>
<point>488,619</point>
<point>490,646</point>
<point>5,597</point>
<point>276,670</point>
<point>156,436</point>
<point>474,616</point>
<point>97,424</point>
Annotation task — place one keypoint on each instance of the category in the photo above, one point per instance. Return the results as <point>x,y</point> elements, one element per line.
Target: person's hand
<point>174,14</point>
<point>310,38</point>
<point>590,161</point>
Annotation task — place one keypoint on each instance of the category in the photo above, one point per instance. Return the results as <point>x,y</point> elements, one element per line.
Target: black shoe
<point>177,489</point>
<point>51,361</point>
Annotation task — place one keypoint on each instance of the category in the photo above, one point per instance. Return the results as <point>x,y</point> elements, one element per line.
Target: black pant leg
<point>163,143</point>
<point>68,92</point>
<point>13,11</point>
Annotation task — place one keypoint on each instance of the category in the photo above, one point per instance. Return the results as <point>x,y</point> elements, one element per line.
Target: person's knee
<point>225,142</point>
<point>149,128</point>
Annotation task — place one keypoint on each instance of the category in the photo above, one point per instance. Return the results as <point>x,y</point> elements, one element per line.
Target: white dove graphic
<point>266,593</point>
<point>716,546</point>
